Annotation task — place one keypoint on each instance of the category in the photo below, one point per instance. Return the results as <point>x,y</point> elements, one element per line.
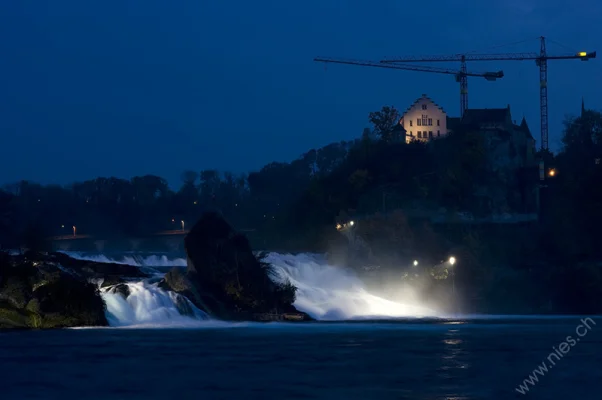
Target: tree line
<point>295,204</point>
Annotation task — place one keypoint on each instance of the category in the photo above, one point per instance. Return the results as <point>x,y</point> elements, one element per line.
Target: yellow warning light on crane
<point>583,54</point>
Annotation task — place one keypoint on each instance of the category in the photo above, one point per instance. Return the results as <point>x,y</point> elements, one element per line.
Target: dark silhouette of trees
<point>384,121</point>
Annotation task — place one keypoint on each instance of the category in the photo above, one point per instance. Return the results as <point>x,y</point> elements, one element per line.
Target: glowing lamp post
<point>74,231</point>
<point>452,261</point>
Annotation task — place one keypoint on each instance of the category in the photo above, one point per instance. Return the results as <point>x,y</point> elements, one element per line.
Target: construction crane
<point>461,75</point>
<point>541,60</point>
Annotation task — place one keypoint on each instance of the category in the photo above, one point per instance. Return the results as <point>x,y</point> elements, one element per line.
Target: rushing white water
<point>324,291</point>
<point>137,260</point>
<point>149,305</point>
<point>327,292</point>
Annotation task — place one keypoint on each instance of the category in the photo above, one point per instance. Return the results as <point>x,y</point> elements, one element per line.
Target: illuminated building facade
<point>424,120</point>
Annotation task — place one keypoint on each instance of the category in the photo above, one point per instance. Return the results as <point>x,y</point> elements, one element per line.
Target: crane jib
<point>541,59</point>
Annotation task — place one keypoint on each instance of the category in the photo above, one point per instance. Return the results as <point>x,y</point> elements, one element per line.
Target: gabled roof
<point>398,128</point>
<point>523,127</point>
<point>485,115</point>
<point>453,123</point>
<point>424,96</point>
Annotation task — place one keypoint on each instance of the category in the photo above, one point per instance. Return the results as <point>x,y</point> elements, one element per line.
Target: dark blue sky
<point>122,88</point>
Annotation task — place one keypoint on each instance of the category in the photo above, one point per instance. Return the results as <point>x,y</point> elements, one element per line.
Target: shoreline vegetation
<point>394,191</point>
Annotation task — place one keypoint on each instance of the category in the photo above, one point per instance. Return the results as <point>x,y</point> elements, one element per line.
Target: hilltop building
<point>424,120</point>
<point>510,148</point>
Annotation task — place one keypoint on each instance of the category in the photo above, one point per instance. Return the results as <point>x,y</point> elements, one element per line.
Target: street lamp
<point>452,261</point>
<point>415,263</point>
<point>350,223</point>
<point>74,230</point>
<point>182,225</point>
<point>552,172</point>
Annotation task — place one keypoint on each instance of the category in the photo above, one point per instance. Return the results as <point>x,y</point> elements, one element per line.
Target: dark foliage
<point>294,207</point>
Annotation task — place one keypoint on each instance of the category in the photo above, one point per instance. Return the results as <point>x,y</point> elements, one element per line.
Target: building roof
<point>424,96</point>
<point>485,115</point>
<point>398,128</point>
<point>478,116</point>
<point>453,123</point>
<point>523,127</point>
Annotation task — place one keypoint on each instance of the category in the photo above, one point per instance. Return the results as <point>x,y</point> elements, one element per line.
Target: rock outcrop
<point>226,279</point>
<point>112,273</point>
<point>42,294</point>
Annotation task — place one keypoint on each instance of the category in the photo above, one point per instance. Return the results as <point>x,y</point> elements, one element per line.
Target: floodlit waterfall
<point>146,304</point>
<point>324,291</point>
<point>327,292</point>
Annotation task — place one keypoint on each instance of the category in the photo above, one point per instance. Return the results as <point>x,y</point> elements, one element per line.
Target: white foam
<point>139,261</point>
<point>148,305</point>
<point>324,291</point>
<point>327,292</point>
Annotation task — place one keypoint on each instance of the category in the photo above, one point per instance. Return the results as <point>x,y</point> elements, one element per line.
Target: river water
<point>484,358</point>
<point>376,349</point>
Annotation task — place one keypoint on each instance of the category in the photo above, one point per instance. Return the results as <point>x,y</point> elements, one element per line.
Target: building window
<point>424,106</point>
<point>438,133</point>
<point>411,134</point>
<point>437,122</point>
<point>419,134</point>
<point>410,122</point>
<point>418,122</point>
<point>430,122</point>
<point>430,134</point>
<point>424,120</point>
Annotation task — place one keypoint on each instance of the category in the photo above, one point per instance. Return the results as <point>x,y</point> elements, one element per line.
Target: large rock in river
<point>40,294</point>
<point>225,278</point>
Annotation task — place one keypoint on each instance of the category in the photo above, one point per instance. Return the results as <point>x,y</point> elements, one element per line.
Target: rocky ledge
<point>224,278</point>
<point>41,290</point>
<point>227,280</point>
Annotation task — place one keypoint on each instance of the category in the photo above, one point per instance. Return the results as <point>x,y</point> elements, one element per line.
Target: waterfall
<point>328,292</point>
<point>324,291</point>
<point>145,304</point>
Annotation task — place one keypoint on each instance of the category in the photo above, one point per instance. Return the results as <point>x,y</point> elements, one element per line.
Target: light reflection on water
<point>430,360</point>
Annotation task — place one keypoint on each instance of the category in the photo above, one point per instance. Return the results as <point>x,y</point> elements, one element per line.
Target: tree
<point>583,134</point>
<point>576,188</point>
<point>189,177</point>
<point>384,121</point>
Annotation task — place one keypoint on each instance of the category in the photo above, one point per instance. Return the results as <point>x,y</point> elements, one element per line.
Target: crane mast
<point>541,61</point>
<point>543,94</point>
<point>463,88</point>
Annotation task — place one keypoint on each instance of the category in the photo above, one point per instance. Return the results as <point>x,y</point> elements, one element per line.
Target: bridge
<point>163,241</point>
